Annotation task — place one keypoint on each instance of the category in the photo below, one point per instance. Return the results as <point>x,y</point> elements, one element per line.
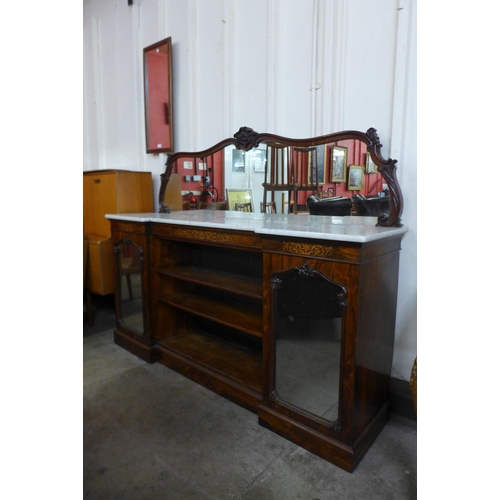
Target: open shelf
<point>246,317</point>
<point>234,283</point>
<point>233,361</point>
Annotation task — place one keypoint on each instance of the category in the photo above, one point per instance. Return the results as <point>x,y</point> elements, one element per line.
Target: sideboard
<point>290,317</point>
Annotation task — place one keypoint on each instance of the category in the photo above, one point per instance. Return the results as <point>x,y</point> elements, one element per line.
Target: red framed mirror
<point>158,97</point>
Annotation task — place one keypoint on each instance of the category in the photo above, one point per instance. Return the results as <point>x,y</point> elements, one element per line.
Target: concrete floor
<point>150,433</point>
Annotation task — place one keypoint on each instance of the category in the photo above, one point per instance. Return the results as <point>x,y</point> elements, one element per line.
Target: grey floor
<point>150,433</point>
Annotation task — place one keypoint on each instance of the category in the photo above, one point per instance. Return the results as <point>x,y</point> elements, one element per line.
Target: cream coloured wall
<point>291,67</point>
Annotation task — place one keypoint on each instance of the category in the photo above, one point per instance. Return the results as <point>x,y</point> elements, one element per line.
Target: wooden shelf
<point>228,282</point>
<point>244,317</point>
<point>238,363</point>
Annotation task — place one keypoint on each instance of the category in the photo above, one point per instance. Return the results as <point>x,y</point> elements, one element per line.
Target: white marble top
<point>354,229</point>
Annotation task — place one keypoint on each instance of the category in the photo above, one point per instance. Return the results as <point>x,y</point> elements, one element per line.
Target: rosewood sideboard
<point>289,316</point>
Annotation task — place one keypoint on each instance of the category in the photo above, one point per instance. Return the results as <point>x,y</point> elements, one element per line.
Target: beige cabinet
<point>110,192</point>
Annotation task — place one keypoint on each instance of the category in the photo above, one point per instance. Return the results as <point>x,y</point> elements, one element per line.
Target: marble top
<point>351,228</point>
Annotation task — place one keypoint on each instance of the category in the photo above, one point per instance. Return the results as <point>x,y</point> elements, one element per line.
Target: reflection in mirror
<point>246,161</point>
<point>337,164</point>
<point>158,97</point>
<point>308,311</point>
<point>129,268</point>
<point>353,185</point>
<point>245,170</point>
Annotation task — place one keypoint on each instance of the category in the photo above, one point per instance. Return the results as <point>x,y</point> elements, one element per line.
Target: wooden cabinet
<point>214,315</point>
<point>110,192</point>
<point>361,365</point>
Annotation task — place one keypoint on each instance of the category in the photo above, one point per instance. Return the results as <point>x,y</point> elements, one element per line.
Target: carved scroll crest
<point>246,138</point>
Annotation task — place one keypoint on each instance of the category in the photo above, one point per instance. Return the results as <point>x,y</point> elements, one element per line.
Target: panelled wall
<point>291,67</point>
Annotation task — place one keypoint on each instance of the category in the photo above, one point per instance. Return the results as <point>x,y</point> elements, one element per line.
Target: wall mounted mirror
<point>158,97</point>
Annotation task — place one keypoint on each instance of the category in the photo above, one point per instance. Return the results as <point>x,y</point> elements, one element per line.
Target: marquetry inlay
<point>203,235</point>
<point>308,249</point>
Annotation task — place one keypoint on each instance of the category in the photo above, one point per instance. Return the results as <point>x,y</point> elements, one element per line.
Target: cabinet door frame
<point>141,345</point>
<point>346,275</point>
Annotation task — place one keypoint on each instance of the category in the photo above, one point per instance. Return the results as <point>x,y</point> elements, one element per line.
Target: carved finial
<point>246,138</point>
<point>373,136</point>
<point>306,270</point>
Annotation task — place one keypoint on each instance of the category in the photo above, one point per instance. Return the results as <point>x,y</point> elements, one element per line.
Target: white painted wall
<point>291,67</point>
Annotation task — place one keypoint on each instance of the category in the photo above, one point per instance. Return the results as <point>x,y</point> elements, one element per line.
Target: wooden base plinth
<point>340,454</point>
<point>140,350</point>
<point>232,390</point>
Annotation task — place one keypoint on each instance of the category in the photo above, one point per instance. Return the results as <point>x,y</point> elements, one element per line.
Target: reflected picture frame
<point>338,164</point>
<point>238,161</point>
<point>320,159</point>
<point>370,167</point>
<point>238,196</point>
<point>259,161</point>
<point>356,176</point>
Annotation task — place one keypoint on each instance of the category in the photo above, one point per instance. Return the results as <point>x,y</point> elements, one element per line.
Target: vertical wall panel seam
<point>98,92</point>
<point>140,101</point>
<point>271,64</point>
<point>191,74</point>
<point>400,89</point>
<point>86,108</point>
<point>314,55</point>
<point>328,68</point>
<point>227,64</point>
<point>162,32</point>
<point>339,70</point>
<point>162,28</point>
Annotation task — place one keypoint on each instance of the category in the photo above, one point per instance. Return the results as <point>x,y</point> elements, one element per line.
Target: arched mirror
<point>340,174</point>
<point>158,97</point>
<point>307,324</point>
<point>129,302</point>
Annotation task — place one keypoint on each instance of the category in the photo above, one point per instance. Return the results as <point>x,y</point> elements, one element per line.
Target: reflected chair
<point>130,263</point>
<point>268,208</point>
<point>336,206</point>
<point>277,175</point>
<point>243,207</point>
<point>304,174</point>
<point>372,206</point>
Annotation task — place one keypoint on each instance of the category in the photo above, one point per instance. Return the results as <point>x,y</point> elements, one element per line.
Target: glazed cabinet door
<point>311,318</point>
<point>307,322</point>
<point>131,254</point>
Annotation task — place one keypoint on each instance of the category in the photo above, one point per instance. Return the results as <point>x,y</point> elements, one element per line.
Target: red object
<point>192,201</point>
<point>208,194</point>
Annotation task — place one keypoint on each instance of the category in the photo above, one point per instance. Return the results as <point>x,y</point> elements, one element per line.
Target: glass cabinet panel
<point>129,274</point>
<point>308,312</point>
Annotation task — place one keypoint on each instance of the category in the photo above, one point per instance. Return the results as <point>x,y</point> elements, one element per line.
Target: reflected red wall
<point>356,155</point>
<point>215,170</point>
<point>158,92</point>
